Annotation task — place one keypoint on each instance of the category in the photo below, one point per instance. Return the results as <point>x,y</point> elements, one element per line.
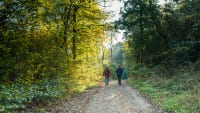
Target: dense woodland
<point>53,49</point>
<point>163,51</point>
<point>48,48</point>
<point>165,34</point>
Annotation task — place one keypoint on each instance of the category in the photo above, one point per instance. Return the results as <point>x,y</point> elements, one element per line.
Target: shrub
<point>16,96</point>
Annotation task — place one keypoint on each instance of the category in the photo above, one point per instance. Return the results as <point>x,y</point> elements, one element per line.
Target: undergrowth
<point>23,98</point>
<point>178,93</point>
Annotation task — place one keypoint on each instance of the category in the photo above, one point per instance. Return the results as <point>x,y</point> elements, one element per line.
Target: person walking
<point>106,73</point>
<point>119,72</point>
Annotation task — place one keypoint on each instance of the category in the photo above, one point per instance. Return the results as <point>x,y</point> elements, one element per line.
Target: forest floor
<point>112,98</point>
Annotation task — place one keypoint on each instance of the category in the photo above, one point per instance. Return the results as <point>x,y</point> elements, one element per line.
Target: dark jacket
<point>119,71</point>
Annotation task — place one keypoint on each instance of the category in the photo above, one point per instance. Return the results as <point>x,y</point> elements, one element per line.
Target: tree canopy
<point>162,34</point>
<point>48,48</point>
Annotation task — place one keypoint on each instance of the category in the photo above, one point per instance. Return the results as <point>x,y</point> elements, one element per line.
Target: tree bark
<point>74,33</point>
<point>66,23</point>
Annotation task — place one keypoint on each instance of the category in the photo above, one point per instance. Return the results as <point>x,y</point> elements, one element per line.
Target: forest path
<point>114,98</point>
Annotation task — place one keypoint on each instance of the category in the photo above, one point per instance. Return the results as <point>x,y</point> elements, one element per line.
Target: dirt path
<point>108,99</point>
<point>119,99</point>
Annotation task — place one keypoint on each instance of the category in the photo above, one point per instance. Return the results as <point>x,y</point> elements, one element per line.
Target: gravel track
<point>112,98</point>
<point>119,99</point>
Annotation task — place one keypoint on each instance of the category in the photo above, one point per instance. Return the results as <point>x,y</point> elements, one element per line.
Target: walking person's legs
<point>106,81</point>
<point>119,79</point>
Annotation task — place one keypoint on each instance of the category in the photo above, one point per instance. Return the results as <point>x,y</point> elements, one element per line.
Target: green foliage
<point>16,96</point>
<point>24,97</point>
<point>48,49</point>
<point>162,51</point>
<point>196,65</point>
<point>177,94</point>
<point>140,71</point>
<point>161,34</point>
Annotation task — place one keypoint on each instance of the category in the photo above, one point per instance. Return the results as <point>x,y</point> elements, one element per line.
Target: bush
<point>141,71</point>
<point>16,96</point>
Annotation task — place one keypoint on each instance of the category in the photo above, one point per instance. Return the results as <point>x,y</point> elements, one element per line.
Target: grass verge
<point>174,95</point>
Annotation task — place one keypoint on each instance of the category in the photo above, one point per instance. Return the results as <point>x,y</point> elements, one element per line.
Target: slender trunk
<point>157,25</point>
<point>162,35</point>
<point>74,33</point>
<point>102,52</point>
<point>66,23</point>
<point>141,35</point>
<point>74,44</point>
<point>111,41</point>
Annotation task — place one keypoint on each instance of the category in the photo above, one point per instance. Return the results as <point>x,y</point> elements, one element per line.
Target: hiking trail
<point>112,98</point>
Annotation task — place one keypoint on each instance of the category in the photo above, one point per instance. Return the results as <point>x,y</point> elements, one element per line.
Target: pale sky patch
<point>113,8</point>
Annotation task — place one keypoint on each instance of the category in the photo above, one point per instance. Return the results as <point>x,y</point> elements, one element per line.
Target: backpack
<point>107,72</point>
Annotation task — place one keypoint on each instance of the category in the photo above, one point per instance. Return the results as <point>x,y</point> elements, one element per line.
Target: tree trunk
<point>74,33</point>
<point>66,23</point>
<point>141,35</point>
<point>162,35</point>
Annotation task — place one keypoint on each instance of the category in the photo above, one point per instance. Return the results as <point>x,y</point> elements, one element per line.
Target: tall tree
<point>162,34</point>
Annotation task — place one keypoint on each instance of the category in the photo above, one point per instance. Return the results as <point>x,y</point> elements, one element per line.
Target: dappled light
<point>53,54</point>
